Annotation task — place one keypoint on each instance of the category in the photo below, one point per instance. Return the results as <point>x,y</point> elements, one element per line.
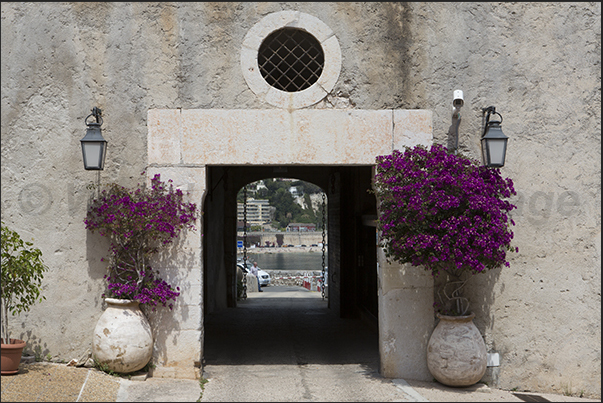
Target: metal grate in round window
<point>290,59</point>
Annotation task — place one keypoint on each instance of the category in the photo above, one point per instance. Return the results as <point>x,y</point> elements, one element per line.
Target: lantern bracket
<point>97,113</point>
<point>490,110</point>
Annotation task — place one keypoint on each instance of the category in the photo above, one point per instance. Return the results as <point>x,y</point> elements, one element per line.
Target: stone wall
<point>538,63</point>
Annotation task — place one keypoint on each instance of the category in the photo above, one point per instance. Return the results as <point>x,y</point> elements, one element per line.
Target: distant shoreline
<point>294,249</point>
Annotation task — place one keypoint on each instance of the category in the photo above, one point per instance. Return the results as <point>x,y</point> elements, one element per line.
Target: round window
<point>291,59</point>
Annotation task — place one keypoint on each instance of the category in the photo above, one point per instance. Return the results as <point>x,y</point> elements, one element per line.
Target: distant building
<point>258,212</point>
<point>301,227</point>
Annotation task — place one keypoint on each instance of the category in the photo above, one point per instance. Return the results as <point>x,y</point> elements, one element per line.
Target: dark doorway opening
<point>352,264</point>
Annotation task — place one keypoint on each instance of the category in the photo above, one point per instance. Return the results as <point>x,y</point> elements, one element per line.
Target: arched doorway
<point>212,153</point>
<point>352,243</point>
<point>294,331</point>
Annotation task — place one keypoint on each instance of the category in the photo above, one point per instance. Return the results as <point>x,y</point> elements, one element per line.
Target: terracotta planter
<point>122,341</point>
<point>11,356</point>
<point>456,352</point>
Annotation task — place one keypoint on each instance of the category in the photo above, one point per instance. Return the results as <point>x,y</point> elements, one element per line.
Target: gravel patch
<point>51,382</point>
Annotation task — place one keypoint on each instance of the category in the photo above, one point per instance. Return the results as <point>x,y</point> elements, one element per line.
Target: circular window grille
<point>291,59</point>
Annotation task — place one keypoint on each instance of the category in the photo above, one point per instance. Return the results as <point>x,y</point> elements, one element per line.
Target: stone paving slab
<point>297,383</point>
<point>50,382</point>
<point>436,392</point>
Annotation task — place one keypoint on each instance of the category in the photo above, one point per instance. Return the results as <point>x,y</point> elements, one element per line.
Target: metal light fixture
<point>94,146</point>
<point>494,142</point>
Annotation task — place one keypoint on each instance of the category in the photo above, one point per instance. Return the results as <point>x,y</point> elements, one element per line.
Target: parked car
<point>263,276</point>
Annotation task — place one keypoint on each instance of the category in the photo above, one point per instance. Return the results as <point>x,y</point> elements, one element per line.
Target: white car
<point>263,276</point>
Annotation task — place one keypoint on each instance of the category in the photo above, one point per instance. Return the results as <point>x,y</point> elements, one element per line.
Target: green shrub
<point>22,273</point>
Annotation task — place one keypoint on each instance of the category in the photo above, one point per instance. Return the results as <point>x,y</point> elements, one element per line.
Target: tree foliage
<point>286,207</point>
<point>287,210</point>
<point>22,274</point>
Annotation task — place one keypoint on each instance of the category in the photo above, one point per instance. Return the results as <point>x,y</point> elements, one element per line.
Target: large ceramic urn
<point>122,341</point>
<point>456,352</point>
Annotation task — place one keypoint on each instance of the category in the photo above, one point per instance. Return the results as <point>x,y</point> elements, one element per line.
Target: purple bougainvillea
<point>442,211</point>
<point>138,223</point>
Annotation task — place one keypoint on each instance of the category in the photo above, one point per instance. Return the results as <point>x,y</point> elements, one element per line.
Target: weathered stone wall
<point>538,63</point>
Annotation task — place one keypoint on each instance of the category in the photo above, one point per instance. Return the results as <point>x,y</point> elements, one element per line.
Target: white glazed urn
<point>456,352</point>
<point>122,340</point>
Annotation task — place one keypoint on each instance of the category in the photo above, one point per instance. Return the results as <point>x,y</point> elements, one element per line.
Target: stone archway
<point>183,144</point>
<point>351,242</point>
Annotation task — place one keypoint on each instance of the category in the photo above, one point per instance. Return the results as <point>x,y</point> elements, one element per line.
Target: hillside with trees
<point>295,201</point>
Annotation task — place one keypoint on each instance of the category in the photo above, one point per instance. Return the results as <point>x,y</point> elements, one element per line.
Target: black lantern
<point>494,142</point>
<point>94,146</point>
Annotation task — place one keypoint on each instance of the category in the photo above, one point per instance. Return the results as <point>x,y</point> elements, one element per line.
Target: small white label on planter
<point>492,360</point>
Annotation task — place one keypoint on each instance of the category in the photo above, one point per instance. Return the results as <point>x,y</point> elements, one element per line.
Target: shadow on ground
<point>287,325</point>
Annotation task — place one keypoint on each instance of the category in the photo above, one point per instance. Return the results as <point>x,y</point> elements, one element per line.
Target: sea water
<point>291,261</point>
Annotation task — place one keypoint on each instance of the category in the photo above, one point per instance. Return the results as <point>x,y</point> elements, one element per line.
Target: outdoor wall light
<point>94,146</point>
<point>494,142</point>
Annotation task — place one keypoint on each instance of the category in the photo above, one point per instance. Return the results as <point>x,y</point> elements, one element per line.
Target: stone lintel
<point>278,137</point>
<point>164,130</point>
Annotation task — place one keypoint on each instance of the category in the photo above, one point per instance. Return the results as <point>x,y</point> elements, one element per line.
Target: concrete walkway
<point>284,344</point>
<point>279,345</point>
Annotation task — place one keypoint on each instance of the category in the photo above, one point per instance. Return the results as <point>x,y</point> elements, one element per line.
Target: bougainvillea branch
<point>444,212</point>
<point>138,223</point>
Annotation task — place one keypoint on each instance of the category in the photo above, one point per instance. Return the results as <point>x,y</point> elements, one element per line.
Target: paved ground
<point>279,345</point>
<point>285,345</point>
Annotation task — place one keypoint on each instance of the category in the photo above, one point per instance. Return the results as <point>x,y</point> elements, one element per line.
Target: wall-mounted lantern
<point>494,142</point>
<point>94,146</point>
